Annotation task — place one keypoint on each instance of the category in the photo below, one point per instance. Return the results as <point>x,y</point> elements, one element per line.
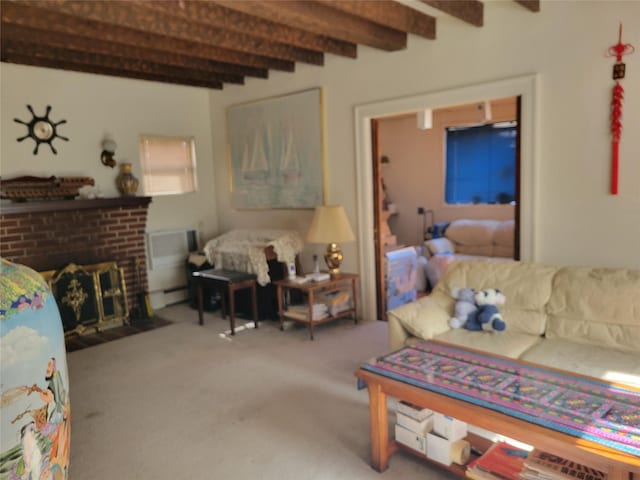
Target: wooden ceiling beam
<point>77,43</point>
<point>321,19</point>
<point>28,16</point>
<point>533,5</point>
<point>470,11</point>
<point>218,14</point>
<point>390,14</point>
<point>208,42</point>
<point>138,17</point>
<point>94,62</point>
<point>28,59</point>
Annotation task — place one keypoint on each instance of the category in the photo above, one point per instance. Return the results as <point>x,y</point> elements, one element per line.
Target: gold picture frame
<point>89,296</point>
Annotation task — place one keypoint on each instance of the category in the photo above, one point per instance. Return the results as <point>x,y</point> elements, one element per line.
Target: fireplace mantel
<point>80,204</point>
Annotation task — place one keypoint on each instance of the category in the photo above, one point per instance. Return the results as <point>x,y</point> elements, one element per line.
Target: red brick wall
<point>99,231</point>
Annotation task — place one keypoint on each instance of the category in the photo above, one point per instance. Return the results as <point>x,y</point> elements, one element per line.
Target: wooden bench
<point>228,282</point>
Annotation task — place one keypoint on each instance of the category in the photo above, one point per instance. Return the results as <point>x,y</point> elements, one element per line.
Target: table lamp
<point>330,225</point>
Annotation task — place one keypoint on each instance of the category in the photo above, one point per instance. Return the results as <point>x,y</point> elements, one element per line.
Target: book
<point>318,276</point>
<point>336,302</point>
<point>335,298</point>
<point>305,315</point>
<point>546,466</point>
<point>501,461</point>
<point>316,308</point>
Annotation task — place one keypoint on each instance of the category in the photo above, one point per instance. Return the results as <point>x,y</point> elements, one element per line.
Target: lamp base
<point>333,257</point>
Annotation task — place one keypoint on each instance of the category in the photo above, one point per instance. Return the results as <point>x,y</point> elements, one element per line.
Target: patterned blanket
<point>589,409</point>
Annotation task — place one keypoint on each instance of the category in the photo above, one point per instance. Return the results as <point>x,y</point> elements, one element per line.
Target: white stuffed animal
<point>465,306</point>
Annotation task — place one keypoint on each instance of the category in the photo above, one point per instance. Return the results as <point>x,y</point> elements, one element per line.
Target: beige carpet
<point>181,402</point>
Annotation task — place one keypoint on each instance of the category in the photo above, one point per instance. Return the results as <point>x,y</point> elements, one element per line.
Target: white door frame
<point>525,86</point>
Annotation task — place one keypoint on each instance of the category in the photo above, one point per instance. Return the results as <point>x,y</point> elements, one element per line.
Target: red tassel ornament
<point>617,50</point>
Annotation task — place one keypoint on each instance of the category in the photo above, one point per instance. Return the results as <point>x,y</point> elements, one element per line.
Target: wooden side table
<point>337,283</point>
<point>229,282</point>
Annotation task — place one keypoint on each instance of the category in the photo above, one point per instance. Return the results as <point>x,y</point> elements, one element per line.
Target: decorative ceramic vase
<point>34,402</point>
<point>126,182</point>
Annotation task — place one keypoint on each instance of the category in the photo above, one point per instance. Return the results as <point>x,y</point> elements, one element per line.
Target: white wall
<point>577,221</point>
<point>95,106</point>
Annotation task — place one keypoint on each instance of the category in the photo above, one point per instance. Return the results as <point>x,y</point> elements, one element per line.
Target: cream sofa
<point>468,239</point>
<point>580,319</point>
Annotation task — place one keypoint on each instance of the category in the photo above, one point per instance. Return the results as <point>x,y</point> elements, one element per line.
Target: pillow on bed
<point>440,245</point>
<point>436,266</point>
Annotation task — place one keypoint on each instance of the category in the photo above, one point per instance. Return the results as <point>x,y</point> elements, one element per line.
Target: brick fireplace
<point>49,235</point>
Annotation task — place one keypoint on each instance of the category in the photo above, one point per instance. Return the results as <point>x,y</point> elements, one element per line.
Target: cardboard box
<point>448,427</point>
<point>414,411</point>
<point>438,449</point>
<point>411,439</point>
<point>420,427</point>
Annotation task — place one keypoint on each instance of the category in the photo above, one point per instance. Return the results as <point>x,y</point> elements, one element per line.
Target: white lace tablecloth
<point>244,250</point>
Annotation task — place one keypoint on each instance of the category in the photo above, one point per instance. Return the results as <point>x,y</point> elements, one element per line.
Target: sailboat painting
<point>255,168</point>
<point>277,152</point>
<point>289,163</point>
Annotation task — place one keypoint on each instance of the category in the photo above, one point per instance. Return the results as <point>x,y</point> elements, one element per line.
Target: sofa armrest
<point>423,319</point>
<point>398,334</point>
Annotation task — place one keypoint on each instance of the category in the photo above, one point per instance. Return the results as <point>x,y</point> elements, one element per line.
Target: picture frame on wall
<point>276,151</point>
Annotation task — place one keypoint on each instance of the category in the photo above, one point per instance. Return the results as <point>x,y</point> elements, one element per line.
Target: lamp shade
<point>109,145</point>
<point>330,225</point>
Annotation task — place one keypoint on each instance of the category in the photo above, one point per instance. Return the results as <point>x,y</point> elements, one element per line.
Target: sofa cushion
<point>596,306</point>
<point>508,343</point>
<point>501,251</point>
<point>504,234</point>
<point>595,361</point>
<point>527,287</point>
<point>488,238</point>
<point>480,250</point>
<point>471,232</point>
<point>426,317</point>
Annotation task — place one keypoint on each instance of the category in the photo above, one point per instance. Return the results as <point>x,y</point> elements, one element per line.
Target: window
<point>481,164</point>
<point>168,165</point>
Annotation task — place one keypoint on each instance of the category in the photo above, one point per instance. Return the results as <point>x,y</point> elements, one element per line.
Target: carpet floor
<point>78,342</point>
<point>187,402</point>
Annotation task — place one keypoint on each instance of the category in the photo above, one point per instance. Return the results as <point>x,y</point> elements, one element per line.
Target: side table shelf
<point>337,283</point>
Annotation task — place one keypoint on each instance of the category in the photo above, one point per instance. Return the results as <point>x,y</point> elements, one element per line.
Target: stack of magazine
<point>546,466</point>
<point>501,461</point>
<point>336,302</point>
<point>320,310</point>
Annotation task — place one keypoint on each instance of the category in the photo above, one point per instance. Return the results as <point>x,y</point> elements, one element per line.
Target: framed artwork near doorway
<point>276,152</point>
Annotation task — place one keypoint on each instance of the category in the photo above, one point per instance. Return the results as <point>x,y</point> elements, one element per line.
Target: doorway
<point>462,163</point>
<point>524,87</point>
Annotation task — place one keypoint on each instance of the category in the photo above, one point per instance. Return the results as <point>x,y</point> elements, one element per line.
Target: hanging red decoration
<point>617,50</point>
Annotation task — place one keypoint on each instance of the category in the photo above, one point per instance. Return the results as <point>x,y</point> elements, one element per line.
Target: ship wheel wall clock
<point>42,130</point>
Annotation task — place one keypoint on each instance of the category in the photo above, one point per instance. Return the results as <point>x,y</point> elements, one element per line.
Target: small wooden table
<point>618,465</point>
<point>335,284</point>
<point>229,282</point>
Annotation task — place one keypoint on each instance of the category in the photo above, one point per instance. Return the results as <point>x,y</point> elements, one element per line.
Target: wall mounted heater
<point>170,248</point>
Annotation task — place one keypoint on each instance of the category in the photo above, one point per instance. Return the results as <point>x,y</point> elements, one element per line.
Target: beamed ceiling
<point>210,43</point>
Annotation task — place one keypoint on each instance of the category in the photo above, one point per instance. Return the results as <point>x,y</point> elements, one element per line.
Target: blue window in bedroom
<point>481,164</point>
